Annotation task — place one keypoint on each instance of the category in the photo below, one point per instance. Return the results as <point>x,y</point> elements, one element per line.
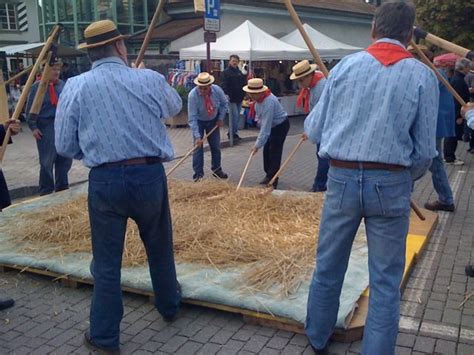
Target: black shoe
<point>6,303</point>
<point>220,174</point>
<point>237,137</point>
<point>265,181</point>
<point>324,351</point>
<point>170,318</point>
<point>99,349</point>
<point>197,178</point>
<point>469,270</point>
<point>438,206</point>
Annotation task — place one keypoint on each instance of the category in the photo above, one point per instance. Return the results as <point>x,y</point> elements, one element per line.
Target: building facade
<point>18,22</point>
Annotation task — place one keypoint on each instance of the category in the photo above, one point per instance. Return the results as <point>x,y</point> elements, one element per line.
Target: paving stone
<point>467,321</point>
<point>209,349</point>
<point>256,343</point>
<point>151,346</point>
<point>402,351</point>
<point>424,344</point>
<point>300,340</point>
<point>232,347</point>
<point>291,349</point>
<point>221,337</point>
<point>190,347</point>
<point>445,347</point>
<point>433,315</point>
<point>277,342</point>
<point>205,334</point>
<point>174,344</point>
<point>464,349</point>
<point>269,351</point>
<point>452,316</point>
<point>164,335</point>
<point>242,335</point>
<point>406,340</point>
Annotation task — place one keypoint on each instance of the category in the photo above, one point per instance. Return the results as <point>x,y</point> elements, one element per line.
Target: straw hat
<point>302,69</point>
<point>204,79</point>
<point>254,86</point>
<point>100,33</point>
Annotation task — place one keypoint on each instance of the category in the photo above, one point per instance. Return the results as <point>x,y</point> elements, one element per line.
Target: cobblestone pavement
<point>49,318</point>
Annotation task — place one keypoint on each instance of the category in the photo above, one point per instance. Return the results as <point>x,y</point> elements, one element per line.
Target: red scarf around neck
<point>210,108</point>
<point>305,93</point>
<point>388,53</point>
<point>260,100</point>
<point>53,96</point>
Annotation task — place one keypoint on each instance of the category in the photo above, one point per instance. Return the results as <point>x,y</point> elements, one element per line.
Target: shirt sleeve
<point>168,98</point>
<point>314,123</point>
<point>223,104</point>
<point>318,91</point>
<point>66,123</point>
<point>265,126</point>
<point>193,114</point>
<point>31,119</point>
<point>423,130</point>
<point>470,119</point>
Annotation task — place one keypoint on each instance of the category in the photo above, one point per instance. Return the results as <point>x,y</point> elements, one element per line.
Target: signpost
<point>212,24</point>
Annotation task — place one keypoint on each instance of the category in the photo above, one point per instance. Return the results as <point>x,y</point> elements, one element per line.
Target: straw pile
<point>271,238</point>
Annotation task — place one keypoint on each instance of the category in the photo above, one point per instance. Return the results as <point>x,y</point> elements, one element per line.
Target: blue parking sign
<point>212,20</point>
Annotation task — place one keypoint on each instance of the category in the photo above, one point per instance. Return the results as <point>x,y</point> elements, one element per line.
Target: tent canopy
<point>250,43</point>
<point>327,47</point>
<point>35,49</point>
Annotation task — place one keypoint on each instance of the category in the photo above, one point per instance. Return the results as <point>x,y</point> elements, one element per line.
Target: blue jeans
<point>382,199</point>
<point>214,141</point>
<point>440,178</point>
<point>234,115</point>
<point>321,178</point>
<point>138,192</point>
<point>49,159</point>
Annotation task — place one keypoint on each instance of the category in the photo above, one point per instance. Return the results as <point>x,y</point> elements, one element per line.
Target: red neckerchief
<point>305,93</point>
<point>53,96</point>
<point>209,104</point>
<point>252,104</point>
<point>388,53</point>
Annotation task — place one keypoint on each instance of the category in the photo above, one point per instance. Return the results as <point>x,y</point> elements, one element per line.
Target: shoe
<point>220,174</point>
<point>6,303</point>
<point>62,189</point>
<point>469,270</point>
<point>198,178</point>
<point>265,181</point>
<point>323,351</point>
<point>171,318</point>
<point>237,137</point>
<point>99,349</point>
<point>454,162</point>
<point>438,206</point>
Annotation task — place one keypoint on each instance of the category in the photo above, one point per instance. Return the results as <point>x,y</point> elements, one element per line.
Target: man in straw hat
<point>207,107</point>
<point>311,82</point>
<point>274,127</point>
<point>112,118</point>
<point>42,126</point>
<point>376,122</point>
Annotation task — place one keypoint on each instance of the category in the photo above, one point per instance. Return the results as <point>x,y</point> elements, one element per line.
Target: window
<point>8,18</point>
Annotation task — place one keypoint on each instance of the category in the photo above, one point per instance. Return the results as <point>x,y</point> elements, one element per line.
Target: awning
<point>35,49</point>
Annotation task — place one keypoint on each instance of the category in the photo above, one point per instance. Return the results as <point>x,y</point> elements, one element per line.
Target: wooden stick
<point>146,41</point>
<point>16,76</point>
<point>27,88</point>
<point>442,43</point>
<point>417,210</point>
<point>191,151</point>
<point>4,114</point>
<point>425,60</point>
<point>42,87</point>
<point>245,170</point>
<point>285,163</point>
<point>306,38</point>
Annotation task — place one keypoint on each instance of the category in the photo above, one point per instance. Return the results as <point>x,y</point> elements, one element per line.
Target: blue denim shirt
<point>369,112</point>
<point>269,113</point>
<point>47,111</point>
<point>470,119</point>
<point>113,113</point>
<point>316,93</point>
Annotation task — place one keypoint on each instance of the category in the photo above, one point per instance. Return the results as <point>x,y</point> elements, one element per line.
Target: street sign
<point>210,37</point>
<point>212,19</point>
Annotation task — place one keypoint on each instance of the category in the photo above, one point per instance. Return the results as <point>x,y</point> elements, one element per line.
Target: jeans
<point>451,144</point>
<point>214,141</point>
<point>273,149</point>
<point>382,199</point>
<point>49,159</point>
<point>440,178</point>
<point>138,192</point>
<point>321,179</point>
<point>234,116</point>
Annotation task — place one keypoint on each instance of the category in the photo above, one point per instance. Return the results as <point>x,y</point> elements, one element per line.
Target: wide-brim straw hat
<point>255,86</point>
<point>302,69</point>
<point>204,79</point>
<point>100,33</point>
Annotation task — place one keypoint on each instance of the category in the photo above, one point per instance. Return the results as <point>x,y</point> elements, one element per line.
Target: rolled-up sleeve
<point>423,130</point>
<point>193,114</point>
<point>66,123</point>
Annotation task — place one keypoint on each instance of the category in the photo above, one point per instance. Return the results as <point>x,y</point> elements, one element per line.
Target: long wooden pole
<point>306,38</point>
<point>287,160</point>
<point>27,88</point>
<point>417,210</point>
<point>42,87</point>
<point>181,161</point>
<point>245,171</point>
<point>149,33</point>
<point>425,60</point>
<point>4,114</point>
<point>442,43</point>
<point>20,74</point>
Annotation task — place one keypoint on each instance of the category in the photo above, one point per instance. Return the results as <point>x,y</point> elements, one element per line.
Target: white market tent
<point>327,47</point>
<point>35,48</point>
<point>250,43</point>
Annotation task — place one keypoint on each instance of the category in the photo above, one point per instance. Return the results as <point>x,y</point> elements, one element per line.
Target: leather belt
<point>135,161</point>
<point>365,165</point>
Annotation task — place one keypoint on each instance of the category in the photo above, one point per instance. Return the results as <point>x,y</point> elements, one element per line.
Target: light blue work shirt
<point>470,118</point>
<point>269,113</point>
<point>113,113</point>
<point>316,93</point>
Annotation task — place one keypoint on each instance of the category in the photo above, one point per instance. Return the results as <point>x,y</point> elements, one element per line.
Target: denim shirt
<point>47,111</point>
<point>269,113</point>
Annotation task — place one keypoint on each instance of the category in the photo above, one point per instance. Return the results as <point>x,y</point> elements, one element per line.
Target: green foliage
<point>452,20</point>
<point>183,93</point>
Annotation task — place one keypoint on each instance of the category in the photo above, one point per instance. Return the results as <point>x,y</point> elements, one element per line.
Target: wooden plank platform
<point>419,233</point>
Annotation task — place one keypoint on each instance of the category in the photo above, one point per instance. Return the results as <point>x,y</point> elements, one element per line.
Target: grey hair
<point>462,64</point>
<point>96,53</point>
<point>395,20</point>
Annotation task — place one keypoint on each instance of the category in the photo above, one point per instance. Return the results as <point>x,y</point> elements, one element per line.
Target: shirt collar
<point>390,40</point>
<point>115,60</point>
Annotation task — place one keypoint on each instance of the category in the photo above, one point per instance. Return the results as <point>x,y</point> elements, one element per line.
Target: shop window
<point>65,10</point>
<point>139,12</point>
<point>104,8</point>
<point>84,10</point>
<point>8,17</point>
<point>123,11</point>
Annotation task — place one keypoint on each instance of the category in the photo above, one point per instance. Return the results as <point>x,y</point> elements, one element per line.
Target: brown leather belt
<point>365,165</point>
<point>135,161</point>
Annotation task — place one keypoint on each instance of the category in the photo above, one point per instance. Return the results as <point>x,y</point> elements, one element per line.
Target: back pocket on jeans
<point>335,193</point>
<point>394,198</point>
